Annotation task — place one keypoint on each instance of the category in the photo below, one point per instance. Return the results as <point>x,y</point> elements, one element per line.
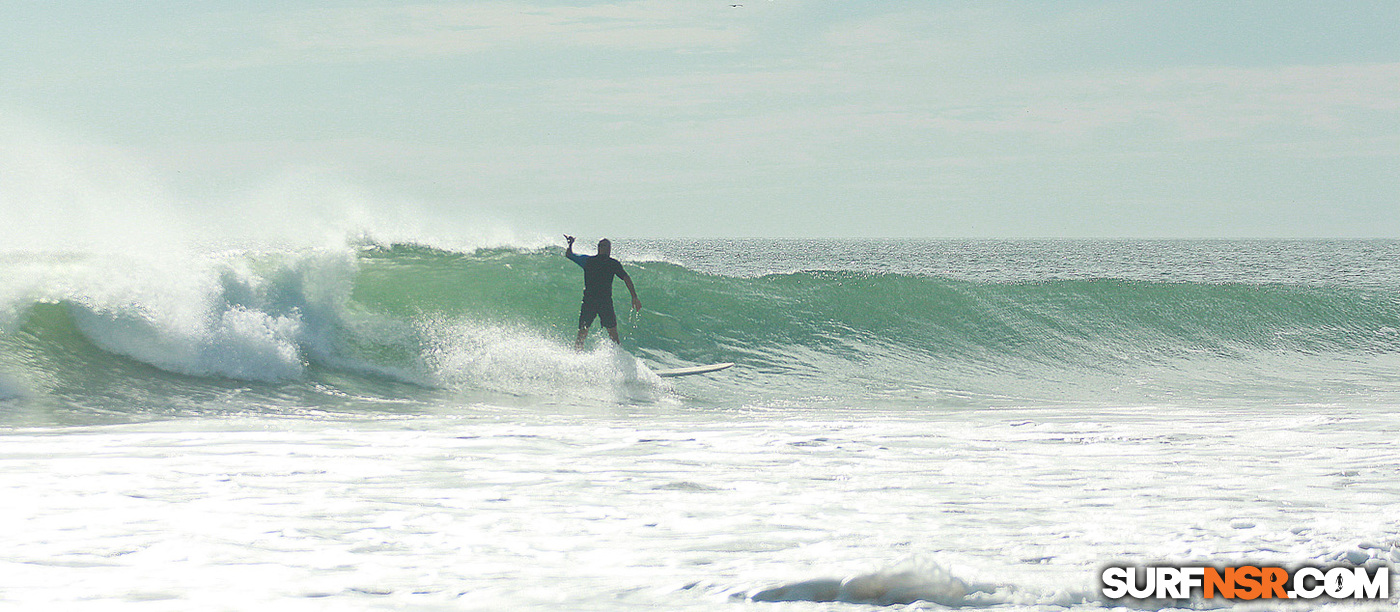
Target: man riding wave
<point>598,273</point>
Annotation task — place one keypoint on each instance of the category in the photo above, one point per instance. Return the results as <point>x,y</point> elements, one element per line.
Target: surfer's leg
<point>608,319</point>
<point>586,314</point>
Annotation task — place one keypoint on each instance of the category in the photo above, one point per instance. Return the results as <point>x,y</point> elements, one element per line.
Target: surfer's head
<point>604,247</point>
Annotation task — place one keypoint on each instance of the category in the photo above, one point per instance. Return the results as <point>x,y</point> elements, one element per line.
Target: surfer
<point>598,273</point>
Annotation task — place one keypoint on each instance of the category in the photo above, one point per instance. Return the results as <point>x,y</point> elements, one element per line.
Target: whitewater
<point>920,424</point>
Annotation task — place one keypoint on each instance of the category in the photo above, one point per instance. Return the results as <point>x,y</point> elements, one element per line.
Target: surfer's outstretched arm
<point>636,303</point>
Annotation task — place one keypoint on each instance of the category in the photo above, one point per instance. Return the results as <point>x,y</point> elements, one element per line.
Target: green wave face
<point>700,316</point>
<point>924,337</point>
<point>387,325</point>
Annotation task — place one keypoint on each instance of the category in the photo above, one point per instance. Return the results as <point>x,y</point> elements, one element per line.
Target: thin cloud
<point>443,30</point>
<point>1189,103</point>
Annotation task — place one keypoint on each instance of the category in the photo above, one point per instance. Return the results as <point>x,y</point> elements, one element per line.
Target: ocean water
<point>913,424</point>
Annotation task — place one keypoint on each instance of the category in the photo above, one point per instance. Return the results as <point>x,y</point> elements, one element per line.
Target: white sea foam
<point>489,509</point>
<point>516,360</point>
<point>205,315</point>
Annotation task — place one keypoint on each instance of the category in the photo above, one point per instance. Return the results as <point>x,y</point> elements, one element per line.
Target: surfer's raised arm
<point>569,252</point>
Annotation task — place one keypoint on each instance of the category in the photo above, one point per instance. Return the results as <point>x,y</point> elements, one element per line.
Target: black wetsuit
<point>598,273</point>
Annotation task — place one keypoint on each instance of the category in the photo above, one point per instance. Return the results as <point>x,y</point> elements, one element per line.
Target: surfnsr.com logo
<point>1246,582</point>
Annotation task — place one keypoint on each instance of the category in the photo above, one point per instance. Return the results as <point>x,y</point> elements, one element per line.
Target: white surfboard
<point>703,369</point>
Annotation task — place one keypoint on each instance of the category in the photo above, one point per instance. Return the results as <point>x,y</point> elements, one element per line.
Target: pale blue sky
<point>695,118</point>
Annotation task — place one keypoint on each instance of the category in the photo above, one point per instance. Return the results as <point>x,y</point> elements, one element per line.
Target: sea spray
<point>517,360</point>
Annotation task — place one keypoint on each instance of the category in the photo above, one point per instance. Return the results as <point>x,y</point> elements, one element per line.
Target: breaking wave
<point>407,320</point>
